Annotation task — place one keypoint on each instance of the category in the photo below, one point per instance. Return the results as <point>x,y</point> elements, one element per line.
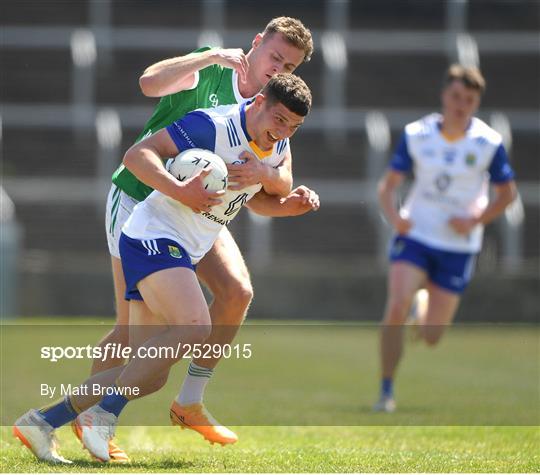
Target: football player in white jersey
<point>453,157</point>
<point>161,243</point>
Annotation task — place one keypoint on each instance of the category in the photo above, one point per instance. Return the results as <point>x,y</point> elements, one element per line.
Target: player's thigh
<point>223,268</point>
<point>442,306</point>
<point>143,324</point>
<point>122,305</point>
<point>175,296</point>
<point>404,279</point>
<point>118,209</point>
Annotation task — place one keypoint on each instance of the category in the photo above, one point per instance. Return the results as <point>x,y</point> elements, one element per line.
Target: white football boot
<point>38,435</point>
<point>98,428</point>
<point>385,404</point>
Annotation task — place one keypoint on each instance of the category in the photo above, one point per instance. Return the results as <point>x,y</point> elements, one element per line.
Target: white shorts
<point>119,207</point>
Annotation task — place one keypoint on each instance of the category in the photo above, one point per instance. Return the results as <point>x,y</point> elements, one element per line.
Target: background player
<point>206,78</point>
<point>439,228</point>
<point>156,282</point>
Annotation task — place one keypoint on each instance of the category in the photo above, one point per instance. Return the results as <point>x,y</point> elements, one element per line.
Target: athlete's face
<point>459,103</point>
<point>273,122</point>
<point>272,54</point>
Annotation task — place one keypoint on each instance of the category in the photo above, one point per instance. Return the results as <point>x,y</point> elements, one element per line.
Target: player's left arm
<point>505,193</point>
<point>275,181</point>
<point>299,201</point>
<point>502,178</point>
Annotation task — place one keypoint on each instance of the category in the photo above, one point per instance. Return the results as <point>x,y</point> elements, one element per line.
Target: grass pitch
<point>304,449</point>
<point>302,404</point>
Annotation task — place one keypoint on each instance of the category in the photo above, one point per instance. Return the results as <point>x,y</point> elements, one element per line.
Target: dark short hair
<point>289,90</point>
<point>294,32</point>
<point>470,76</point>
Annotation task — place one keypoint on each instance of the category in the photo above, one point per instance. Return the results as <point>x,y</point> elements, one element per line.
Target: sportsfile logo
<point>114,350</point>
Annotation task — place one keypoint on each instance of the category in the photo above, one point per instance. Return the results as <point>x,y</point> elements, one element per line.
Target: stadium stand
<point>396,52</point>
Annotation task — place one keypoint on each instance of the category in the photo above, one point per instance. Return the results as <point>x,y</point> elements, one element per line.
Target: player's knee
<point>120,335</point>
<point>237,296</point>
<point>191,334</point>
<point>396,310</point>
<point>154,385</point>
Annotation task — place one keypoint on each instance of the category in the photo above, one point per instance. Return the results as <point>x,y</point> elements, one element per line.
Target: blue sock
<point>59,413</point>
<point>387,387</point>
<point>113,403</point>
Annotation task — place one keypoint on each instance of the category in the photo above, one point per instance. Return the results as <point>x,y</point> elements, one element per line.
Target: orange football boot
<point>197,418</point>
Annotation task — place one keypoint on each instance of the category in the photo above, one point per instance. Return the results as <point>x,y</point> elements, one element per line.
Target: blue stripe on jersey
<point>401,160</point>
<point>194,130</point>
<point>233,133</point>
<point>500,170</point>
<point>243,120</point>
<point>229,135</point>
<point>281,145</point>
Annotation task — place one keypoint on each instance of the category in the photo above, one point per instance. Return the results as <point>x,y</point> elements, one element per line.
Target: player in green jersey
<point>209,77</point>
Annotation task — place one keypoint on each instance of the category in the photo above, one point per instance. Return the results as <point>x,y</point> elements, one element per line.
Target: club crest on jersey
<point>175,252</point>
<point>213,98</point>
<point>470,159</point>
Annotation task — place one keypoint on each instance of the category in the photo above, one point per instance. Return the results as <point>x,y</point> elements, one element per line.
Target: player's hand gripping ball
<point>190,162</point>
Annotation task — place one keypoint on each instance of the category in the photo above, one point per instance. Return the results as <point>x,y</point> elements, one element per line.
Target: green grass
<point>305,449</point>
<point>302,403</point>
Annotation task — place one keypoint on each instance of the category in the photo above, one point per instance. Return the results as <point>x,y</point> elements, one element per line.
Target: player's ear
<point>257,40</point>
<point>260,99</point>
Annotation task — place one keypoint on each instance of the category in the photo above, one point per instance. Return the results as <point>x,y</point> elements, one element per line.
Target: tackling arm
<point>177,74</point>
<point>275,181</point>
<point>299,201</point>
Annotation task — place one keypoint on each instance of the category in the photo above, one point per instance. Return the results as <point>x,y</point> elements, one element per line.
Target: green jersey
<point>216,86</point>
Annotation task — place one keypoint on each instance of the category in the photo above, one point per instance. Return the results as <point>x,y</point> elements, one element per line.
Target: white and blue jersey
<point>223,131</point>
<point>451,179</point>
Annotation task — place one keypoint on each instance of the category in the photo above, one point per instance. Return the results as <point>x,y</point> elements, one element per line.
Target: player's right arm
<point>145,161</point>
<point>387,192</point>
<point>389,184</point>
<point>178,74</point>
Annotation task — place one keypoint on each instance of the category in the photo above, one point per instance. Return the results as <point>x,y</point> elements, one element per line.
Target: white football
<point>189,162</point>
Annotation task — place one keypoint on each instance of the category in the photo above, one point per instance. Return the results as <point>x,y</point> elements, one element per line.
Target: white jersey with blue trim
<point>223,131</point>
<point>451,179</point>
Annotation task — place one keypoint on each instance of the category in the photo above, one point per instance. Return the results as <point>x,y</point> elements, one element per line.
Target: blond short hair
<point>470,76</point>
<point>294,32</point>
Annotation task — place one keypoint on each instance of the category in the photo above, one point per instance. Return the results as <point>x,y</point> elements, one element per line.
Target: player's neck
<point>251,86</point>
<point>454,130</point>
<point>251,118</point>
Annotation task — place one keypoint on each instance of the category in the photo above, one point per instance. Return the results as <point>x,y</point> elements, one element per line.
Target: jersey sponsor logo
<point>236,204</point>
<point>175,252</point>
<point>185,135</point>
<point>214,100</point>
<point>481,141</point>
<point>449,155</point>
<point>212,217</point>
<point>442,182</point>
